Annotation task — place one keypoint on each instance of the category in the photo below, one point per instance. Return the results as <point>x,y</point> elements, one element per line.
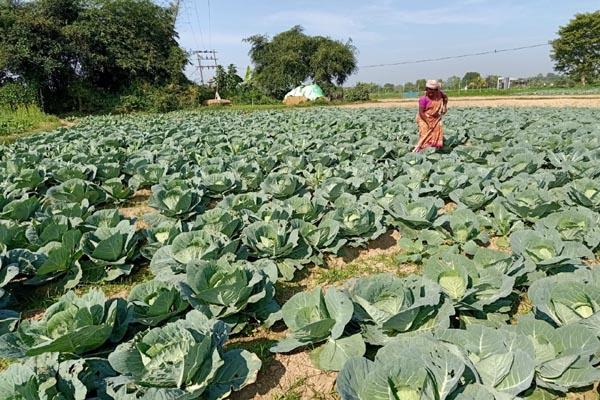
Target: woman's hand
<point>444,110</point>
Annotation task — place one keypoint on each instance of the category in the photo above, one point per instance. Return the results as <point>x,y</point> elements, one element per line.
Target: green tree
<point>470,79</point>
<point>34,42</point>
<point>227,81</point>
<point>70,49</point>
<point>491,81</point>
<point>128,39</point>
<point>410,87</point>
<point>453,83</point>
<point>388,88</point>
<point>420,84</point>
<point>292,57</point>
<point>576,52</point>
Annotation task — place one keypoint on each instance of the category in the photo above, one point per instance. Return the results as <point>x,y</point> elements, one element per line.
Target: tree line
<point>123,55</point>
<point>470,81</point>
<point>75,54</point>
<point>90,55</point>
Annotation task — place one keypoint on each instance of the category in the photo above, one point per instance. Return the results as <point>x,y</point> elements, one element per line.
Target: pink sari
<point>433,137</point>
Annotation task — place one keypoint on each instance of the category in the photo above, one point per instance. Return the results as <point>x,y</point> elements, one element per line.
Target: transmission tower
<point>207,59</point>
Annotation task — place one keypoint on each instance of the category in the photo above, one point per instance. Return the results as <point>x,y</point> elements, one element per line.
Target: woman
<point>429,119</point>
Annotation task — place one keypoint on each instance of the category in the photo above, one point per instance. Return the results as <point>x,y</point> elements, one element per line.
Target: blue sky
<point>386,31</point>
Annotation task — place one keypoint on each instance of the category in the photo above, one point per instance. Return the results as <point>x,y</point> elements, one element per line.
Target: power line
<point>459,56</point>
<point>198,21</point>
<point>209,27</point>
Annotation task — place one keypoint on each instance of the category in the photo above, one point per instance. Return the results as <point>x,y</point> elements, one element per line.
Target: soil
<point>592,101</point>
<point>290,375</point>
<point>136,207</point>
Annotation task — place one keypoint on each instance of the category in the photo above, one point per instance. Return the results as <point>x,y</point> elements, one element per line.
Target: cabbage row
<point>244,200</point>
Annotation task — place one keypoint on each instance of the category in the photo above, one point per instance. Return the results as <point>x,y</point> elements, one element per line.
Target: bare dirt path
<point>592,101</point>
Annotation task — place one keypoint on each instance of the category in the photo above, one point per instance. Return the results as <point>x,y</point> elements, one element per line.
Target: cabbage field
<point>507,214</point>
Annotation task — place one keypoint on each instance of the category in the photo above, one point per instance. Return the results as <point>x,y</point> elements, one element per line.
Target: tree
<point>491,81</point>
<point>576,52</point>
<point>128,39</point>
<point>291,58</point>
<point>470,79</point>
<point>420,84</point>
<point>227,81</point>
<point>410,87</point>
<point>62,47</point>
<point>453,83</point>
<point>388,88</point>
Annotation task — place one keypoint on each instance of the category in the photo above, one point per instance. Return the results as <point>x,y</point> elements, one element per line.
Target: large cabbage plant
<point>416,368</point>
<point>314,317</point>
<point>73,325</point>
<point>386,306</point>
<point>232,291</point>
<point>182,359</point>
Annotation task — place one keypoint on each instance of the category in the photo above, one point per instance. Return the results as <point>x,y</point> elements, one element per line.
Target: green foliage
<point>360,92</point>
<point>142,96</point>
<point>69,49</point>
<point>250,93</point>
<point>471,79</point>
<point>292,57</point>
<point>22,118</point>
<point>227,81</point>
<point>13,95</point>
<point>575,52</point>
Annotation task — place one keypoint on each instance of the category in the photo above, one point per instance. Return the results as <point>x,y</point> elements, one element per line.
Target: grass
<point>381,263</point>
<point>259,346</point>
<point>26,118</point>
<point>288,396</point>
<point>292,395</point>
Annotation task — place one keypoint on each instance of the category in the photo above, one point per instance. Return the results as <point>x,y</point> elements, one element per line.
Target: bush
<point>144,97</point>
<point>360,92</point>
<point>249,93</point>
<point>14,94</point>
<point>22,118</point>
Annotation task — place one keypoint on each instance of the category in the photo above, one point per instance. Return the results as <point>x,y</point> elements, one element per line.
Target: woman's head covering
<point>432,84</point>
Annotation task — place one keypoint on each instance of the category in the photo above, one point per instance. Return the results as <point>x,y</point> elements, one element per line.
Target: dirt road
<point>592,101</point>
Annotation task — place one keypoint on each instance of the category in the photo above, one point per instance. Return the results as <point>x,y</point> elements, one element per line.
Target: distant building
<point>505,82</point>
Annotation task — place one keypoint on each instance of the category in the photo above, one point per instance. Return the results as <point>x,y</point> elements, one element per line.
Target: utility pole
<point>204,58</point>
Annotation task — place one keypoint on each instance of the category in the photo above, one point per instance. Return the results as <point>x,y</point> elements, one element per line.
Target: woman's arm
<point>444,103</point>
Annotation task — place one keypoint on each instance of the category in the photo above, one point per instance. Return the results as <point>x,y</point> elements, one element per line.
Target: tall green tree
<point>292,57</point>
<point>410,87</point>
<point>453,83</point>
<point>58,46</point>
<point>471,79</point>
<point>491,81</point>
<point>227,80</point>
<point>126,40</point>
<point>34,43</point>
<point>576,52</point>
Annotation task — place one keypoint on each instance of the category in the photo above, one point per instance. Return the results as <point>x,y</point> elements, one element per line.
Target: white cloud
<point>337,25</point>
<point>477,12</point>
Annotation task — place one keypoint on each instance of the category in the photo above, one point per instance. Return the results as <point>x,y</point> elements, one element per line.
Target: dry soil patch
<point>592,101</point>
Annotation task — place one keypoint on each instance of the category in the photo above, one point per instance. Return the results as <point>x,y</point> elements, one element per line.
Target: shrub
<point>15,94</point>
<point>249,93</point>
<point>22,118</point>
<point>360,92</point>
